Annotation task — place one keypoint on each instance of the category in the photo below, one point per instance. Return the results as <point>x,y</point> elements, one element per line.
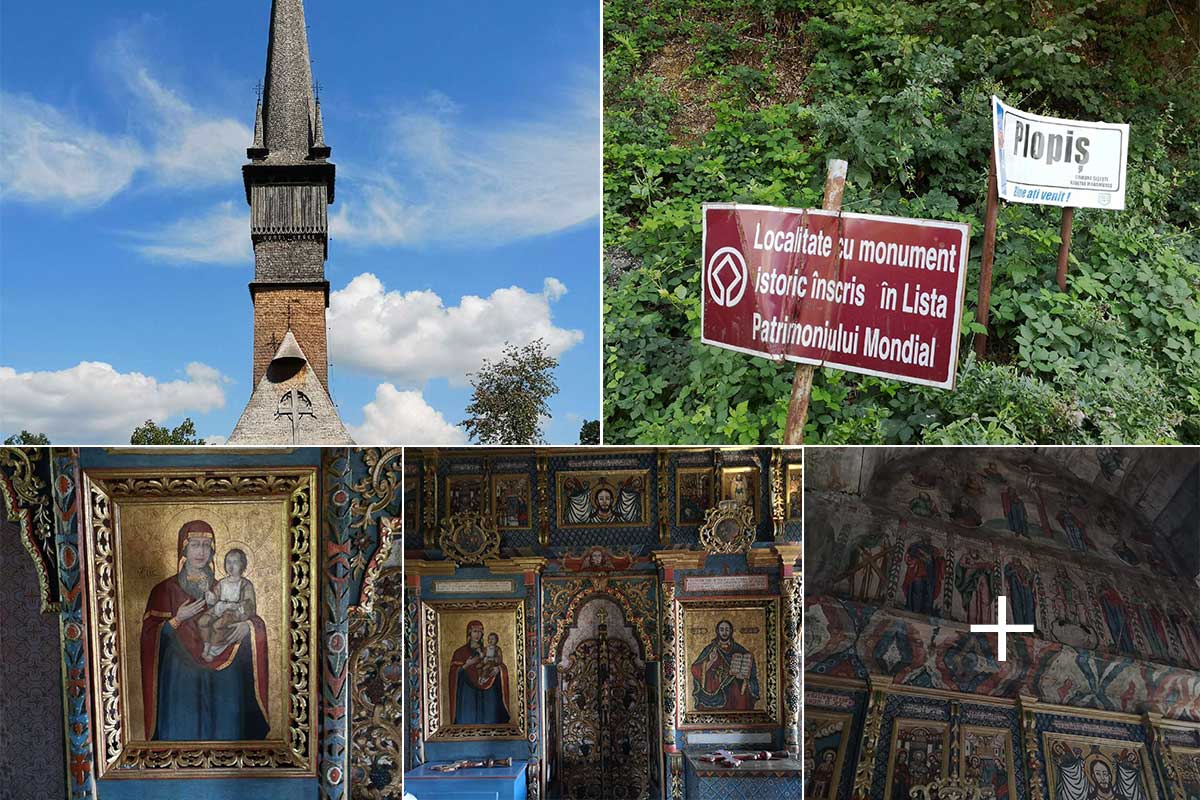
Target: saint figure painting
<point>725,677</point>
<point>204,648</point>
<point>478,680</point>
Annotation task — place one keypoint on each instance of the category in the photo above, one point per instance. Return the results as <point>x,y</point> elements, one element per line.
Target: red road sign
<point>877,295</point>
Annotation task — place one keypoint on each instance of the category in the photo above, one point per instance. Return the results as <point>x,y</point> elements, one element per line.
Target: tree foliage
<point>27,438</point>
<point>511,396</point>
<point>745,100</point>
<point>589,433</point>
<point>154,434</point>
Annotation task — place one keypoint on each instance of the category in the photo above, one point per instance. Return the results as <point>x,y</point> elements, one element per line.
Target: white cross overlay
<point>1002,628</point>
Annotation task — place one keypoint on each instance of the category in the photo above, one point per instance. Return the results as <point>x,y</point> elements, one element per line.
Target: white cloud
<point>473,183</point>
<point>220,235</point>
<point>412,337</point>
<point>403,417</point>
<point>47,157</point>
<point>92,403</point>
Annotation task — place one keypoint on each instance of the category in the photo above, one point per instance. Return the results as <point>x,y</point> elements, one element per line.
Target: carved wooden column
<point>670,621</point>
<point>778,495</point>
<point>414,569</point>
<point>1160,753</point>
<point>430,492</point>
<point>543,500</point>
<point>664,500</point>
<point>791,585</point>
<point>865,770</point>
<point>1027,707</point>
<point>531,568</point>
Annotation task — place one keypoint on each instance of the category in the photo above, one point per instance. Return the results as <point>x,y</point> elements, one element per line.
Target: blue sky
<point>467,141</point>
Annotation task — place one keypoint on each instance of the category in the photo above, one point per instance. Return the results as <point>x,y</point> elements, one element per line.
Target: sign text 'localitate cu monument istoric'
<point>871,294</point>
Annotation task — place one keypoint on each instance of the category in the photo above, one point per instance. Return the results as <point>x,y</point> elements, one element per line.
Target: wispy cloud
<point>403,417</point>
<point>48,157</point>
<point>93,404</point>
<point>220,235</point>
<point>443,179</point>
<point>412,337</point>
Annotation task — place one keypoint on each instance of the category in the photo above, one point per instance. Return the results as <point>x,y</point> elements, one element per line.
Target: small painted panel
<point>511,501</point>
<point>693,495</point>
<point>1085,767</point>
<point>741,484</point>
<point>919,755</point>
<point>825,738</point>
<point>605,499</point>
<point>987,760</point>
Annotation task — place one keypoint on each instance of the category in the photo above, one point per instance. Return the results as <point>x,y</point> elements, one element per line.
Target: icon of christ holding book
<point>724,676</point>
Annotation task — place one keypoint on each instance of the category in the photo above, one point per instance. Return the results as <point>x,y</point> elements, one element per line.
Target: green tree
<point>511,396</point>
<point>27,438</point>
<point>152,433</point>
<point>590,432</point>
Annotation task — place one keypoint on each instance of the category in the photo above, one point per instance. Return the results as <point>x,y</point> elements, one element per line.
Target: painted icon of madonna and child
<point>479,680</point>
<point>204,648</point>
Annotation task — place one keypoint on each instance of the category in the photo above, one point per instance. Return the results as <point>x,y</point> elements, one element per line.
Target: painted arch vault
<point>1098,548</point>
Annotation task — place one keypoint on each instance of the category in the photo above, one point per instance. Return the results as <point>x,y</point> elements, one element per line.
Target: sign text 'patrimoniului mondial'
<point>870,294</point>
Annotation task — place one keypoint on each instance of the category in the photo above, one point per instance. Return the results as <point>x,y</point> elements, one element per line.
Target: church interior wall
<point>899,542</point>
<point>565,560</point>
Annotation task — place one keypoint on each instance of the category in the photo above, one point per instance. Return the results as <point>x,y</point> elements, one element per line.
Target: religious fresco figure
<point>1021,598</point>
<point>200,685</point>
<point>724,675</point>
<point>925,567</point>
<point>974,581</point>
<point>1076,532</point>
<point>1014,511</point>
<point>901,776</point>
<point>1118,618</point>
<point>1187,631</point>
<point>1155,626</point>
<point>478,681</point>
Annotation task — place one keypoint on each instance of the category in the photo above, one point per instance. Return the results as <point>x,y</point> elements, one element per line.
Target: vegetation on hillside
<point>745,100</point>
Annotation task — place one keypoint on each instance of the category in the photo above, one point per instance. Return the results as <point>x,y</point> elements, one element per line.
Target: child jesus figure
<point>232,602</point>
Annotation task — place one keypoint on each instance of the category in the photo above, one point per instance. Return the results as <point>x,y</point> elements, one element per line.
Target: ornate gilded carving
<point>543,500</point>
<point>23,486</point>
<point>728,528</point>
<point>470,538</point>
<point>675,766</point>
<point>377,493</point>
<point>793,610</point>
<point>295,752</point>
<point>669,657</point>
<point>664,518</point>
<point>1029,739</point>
<point>865,770</point>
<point>778,494</point>
<point>1160,752</point>
<point>561,600</point>
<point>429,490</point>
<point>377,674</point>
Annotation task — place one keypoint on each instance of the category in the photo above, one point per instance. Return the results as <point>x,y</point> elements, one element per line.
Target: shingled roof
<point>289,405</point>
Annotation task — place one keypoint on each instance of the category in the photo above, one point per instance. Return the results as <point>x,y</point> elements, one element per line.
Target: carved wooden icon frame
<point>266,511</point>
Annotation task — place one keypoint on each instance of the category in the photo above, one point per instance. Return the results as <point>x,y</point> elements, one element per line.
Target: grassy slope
<point>745,100</point>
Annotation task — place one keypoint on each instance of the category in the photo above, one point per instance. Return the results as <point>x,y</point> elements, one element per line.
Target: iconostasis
<point>1098,549</point>
<point>608,617</point>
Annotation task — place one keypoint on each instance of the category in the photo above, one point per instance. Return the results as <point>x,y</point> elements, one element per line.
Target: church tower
<point>289,186</point>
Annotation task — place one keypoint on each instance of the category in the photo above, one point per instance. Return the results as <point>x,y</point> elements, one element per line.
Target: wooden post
<point>1064,249</point>
<point>793,433</point>
<point>989,253</point>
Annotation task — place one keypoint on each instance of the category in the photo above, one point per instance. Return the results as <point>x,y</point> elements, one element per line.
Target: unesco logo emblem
<point>727,277</point>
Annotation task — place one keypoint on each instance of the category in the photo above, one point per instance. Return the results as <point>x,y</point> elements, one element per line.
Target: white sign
<point>725,583</point>
<point>1058,162</point>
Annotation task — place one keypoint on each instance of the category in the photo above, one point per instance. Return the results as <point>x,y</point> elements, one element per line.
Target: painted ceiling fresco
<point>1132,507</point>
